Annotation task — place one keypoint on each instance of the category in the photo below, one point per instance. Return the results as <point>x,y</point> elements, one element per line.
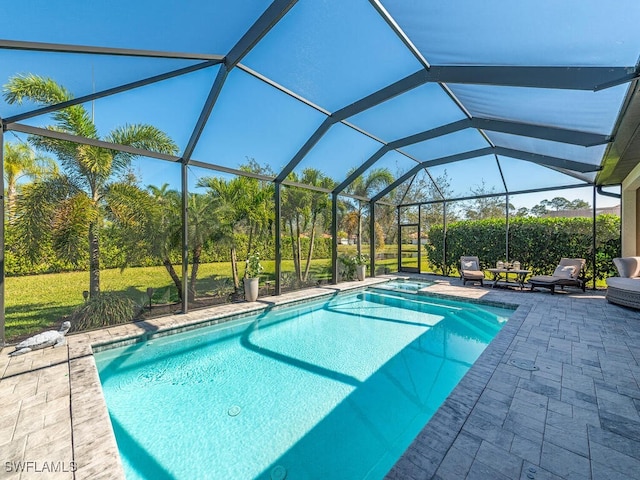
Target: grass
<point>37,302</point>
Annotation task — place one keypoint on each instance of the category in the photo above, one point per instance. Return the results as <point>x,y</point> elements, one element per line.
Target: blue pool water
<point>327,389</point>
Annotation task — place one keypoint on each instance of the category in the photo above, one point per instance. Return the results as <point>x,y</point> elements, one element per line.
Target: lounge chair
<point>568,273</point>
<point>470,270</point>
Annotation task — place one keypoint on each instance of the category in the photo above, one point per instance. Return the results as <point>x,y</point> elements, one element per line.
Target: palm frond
<point>40,90</point>
<point>146,137</point>
<point>45,91</point>
<point>94,163</point>
<point>35,209</point>
<point>376,179</point>
<point>65,151</point>
<point>129,205</point>
<point>76,120</point>
<point>138,221</point>
<point>70,227</point>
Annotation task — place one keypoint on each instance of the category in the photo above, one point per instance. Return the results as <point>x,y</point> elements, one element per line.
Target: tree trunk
<point>174,276</point>
<point>250,242</point>
<point>234,268</point>
<point>11,200</point>
<point>359,232</point>
<point>307,267</point>
<point>197,253</point>
<point>298,251</point>
<point>94,260</point>
<point>293,244</point>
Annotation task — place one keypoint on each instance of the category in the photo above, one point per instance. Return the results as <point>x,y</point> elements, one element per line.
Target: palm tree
<point>20,162</point>
<point>294,210</point>
<point>259,204</point>
<point>229,198</point>
<point>164,228</point>
<point>241,204</point>
<point>364,187</point>
<point>319,206</point>
<point>302,212</point>
<point>157,219</point>
<point>71,205</point>
<point>203,228</point>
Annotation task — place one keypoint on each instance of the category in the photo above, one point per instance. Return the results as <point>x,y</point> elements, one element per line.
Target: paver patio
<point>555,395</point>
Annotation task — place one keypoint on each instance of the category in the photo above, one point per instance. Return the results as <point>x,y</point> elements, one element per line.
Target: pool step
<point>478,324</point>
<point>483,322</point>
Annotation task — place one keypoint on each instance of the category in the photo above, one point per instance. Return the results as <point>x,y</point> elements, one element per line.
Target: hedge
<point>112,255</point>
<point>538,243</point>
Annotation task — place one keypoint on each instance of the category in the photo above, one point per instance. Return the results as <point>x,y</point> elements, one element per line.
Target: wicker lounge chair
<point>625,289</point>
<point>470,270</point>
<point>568,273</point>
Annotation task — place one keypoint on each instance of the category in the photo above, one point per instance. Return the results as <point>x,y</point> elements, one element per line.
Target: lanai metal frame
<point>593,78</point>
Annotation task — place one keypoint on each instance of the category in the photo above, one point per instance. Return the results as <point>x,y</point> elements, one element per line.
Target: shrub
<point>347,267</point>
<point>112,254</point>
<point>101,311</point>
<point>361,259</point>
<point>253,267</point>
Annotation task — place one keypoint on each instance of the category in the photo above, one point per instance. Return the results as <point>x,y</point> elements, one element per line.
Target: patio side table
<point>500,273</point>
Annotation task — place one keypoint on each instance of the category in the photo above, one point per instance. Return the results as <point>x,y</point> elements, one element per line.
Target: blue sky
<point>333,52</point>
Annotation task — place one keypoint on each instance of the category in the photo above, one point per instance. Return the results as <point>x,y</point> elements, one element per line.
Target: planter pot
<point>251,289</point>
<point>361,271</point>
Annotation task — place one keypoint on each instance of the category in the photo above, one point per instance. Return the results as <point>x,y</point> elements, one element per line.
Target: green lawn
<point>37,302</point>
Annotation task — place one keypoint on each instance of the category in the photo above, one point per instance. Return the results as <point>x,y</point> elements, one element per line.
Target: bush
<point>113,256</point>
<point>347,269</point>
<point>104,310</point>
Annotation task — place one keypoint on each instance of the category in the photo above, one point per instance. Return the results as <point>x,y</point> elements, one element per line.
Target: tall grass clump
<point>103,310</point>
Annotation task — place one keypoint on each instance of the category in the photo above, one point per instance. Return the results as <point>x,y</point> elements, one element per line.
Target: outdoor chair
<point>568,273</point>
<point>625,288</point>
<point>470,270</point>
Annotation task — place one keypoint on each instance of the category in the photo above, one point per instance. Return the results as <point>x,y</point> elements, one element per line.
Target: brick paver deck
<point>576,415</point>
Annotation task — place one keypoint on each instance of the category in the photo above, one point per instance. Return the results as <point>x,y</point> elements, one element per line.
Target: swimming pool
<point>333,388</point>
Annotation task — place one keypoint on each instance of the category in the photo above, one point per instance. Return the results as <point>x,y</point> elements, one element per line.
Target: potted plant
<point>251,273</point>
<point>361,260</point>
<point>348,267</point>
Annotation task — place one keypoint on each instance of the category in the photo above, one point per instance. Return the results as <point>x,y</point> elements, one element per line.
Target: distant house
<point>585,212</point>
<point>414,239</point>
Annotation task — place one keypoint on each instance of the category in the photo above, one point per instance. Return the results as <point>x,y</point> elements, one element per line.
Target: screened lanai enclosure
<point>310,132</point>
